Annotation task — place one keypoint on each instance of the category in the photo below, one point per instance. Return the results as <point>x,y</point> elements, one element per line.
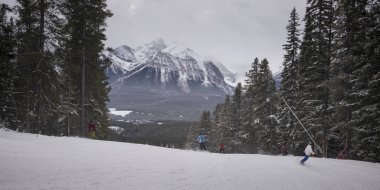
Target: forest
<point>330,79</point>
<point>52,66</point>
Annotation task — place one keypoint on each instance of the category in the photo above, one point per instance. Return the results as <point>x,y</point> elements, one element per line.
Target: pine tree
<point>37,81</point>
<point>217,128</point>
<point>205,123</point>
<point>348,47</point>
<point>7,68</point>
<point>365,90</point>
<point>265,109</point>
<point>237,105</point>
<point>289,85</point>
<point>83,36</point>
<point>248,116</point>
<point>229,132</point>
<point>315,60</point>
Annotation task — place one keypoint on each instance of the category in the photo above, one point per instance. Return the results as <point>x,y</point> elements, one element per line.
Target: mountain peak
<point>167,66</point>
<point>158,44</point>
<point>181,50</point>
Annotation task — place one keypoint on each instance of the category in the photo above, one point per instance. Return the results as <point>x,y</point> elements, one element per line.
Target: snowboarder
<point>201,140</point>
<point>221,148</point>
<point>308,152</point>
<point>92,129</point>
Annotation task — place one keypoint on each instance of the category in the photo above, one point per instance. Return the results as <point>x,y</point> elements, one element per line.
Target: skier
<point>201,140</point>
<point>92,129</point>
<point>284,149</point>
<point>221,148</point>
<point>308,152</point>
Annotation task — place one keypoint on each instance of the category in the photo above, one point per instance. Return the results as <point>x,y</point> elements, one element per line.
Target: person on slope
<point>284,149</point>
<point>201,140</point>
<point>221,148</point>
<point>92,129</point>
<point>308,152</point>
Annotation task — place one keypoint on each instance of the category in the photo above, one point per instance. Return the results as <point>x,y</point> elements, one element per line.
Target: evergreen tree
<point>236,117</point>
<point>37,81</point>
<point>315,60</point>
<point>365,90</point>
<point>7,68</point>
<point>248,116</point>
<point>237,105</point>
<point>251,75</point>
<point>229,132</point>
<point>265,109</point>
<point>289,86</point>
<point>205,123</point>
<point>217,128</point>
<point>83,36</point>
<point>348,46</point>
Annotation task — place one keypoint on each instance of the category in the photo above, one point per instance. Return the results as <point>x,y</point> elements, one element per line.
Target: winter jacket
<point>308,151</point>
<point>201,138</point>
<point>92,127</point>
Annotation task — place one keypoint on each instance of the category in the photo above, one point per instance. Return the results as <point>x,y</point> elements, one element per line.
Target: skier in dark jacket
<point>221,148</point>
<point>92,129</point>
<point>284,149</point>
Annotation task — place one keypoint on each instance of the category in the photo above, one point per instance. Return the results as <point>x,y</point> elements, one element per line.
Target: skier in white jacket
<point>308,151</point>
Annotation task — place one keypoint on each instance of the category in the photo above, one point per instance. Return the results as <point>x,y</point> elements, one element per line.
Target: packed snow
<point>30,161</point>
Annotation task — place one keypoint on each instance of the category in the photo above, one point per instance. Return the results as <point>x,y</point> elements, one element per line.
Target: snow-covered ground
<point>116,129</point>
<point>122,113</point>
<point>29,161</point>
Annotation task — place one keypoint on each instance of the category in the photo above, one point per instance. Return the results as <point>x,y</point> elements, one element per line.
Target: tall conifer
<point>315,60</point>
<point>8,106</point>
<point>289,86</point>
<point>85,65</point>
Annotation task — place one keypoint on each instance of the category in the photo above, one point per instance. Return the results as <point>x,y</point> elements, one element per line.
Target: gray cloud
<point>232,31</point>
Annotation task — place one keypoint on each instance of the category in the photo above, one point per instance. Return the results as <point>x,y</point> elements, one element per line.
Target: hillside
<point>29,161</point>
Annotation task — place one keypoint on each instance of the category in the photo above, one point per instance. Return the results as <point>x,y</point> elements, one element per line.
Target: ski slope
<point>29,161</point>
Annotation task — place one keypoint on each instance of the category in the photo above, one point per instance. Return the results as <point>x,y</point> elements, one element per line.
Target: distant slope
<point>29,161</point>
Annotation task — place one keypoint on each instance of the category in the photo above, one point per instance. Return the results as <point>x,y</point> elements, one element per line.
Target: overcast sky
<point>232,31</point>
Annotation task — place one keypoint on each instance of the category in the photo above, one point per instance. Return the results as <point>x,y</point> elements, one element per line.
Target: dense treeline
<point>330,79</point>
<point>172,134</point>
<point>52,67</point>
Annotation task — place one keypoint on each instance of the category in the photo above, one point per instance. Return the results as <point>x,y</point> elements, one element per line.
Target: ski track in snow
<point>29,161</point>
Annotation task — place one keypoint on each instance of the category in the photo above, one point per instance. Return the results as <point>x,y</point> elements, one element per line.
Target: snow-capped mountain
<point>159,76</point>
<point>166,67</point>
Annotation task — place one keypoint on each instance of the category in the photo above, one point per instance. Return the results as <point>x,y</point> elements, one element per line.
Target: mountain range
<point>166,81</point>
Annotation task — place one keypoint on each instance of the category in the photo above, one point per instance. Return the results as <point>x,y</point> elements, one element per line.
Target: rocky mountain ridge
<point>166,81</point>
